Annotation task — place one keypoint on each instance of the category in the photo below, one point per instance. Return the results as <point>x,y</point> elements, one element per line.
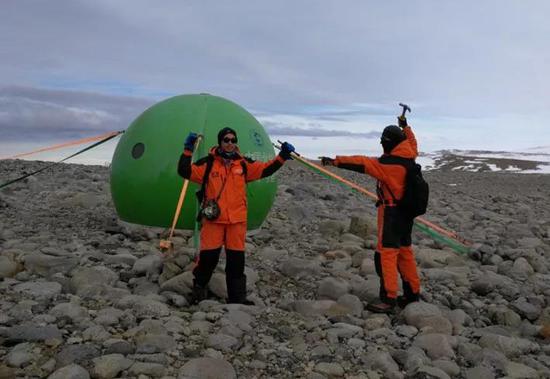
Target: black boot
<point>408,295</point>
<point>403,301</point>
<point>386,306</point>
<point>199,293</point>
<point>235,278</point>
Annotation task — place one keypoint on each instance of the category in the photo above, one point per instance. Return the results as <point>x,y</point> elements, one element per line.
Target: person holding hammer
<point>394,254</point>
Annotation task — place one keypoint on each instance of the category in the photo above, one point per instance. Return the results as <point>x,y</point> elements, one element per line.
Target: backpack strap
<point>244,165</point>
<point>407,163</point>
<point>209,159</point>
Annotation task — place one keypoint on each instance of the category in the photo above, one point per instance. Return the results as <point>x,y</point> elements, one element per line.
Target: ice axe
<point>166,245</point>
<point>405,109</point>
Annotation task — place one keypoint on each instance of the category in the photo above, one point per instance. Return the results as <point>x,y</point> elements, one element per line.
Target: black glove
<point>286,149</point>
<point>326,161</point>
<point>402,121</point>
<point>190,141</point>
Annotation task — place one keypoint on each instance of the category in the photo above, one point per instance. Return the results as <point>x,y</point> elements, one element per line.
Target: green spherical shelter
<point>145,184</point>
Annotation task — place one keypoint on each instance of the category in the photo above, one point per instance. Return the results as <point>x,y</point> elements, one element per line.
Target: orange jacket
<point>390,176</point>
<point>232,194</point>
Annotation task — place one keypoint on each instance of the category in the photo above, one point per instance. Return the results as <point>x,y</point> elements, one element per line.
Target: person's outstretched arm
<point>258,170</point>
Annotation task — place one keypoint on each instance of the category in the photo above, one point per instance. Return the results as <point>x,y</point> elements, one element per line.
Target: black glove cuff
<point>285,155</point>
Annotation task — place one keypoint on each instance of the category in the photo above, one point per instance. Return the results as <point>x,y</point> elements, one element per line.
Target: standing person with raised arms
<point>224,173</point>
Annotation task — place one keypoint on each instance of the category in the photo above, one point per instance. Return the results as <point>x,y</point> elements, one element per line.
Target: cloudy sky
<point>326,75</point>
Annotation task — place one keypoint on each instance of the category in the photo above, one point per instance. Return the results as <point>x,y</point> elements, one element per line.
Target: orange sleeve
<point>369,165</point>
<point>412,140</point>
<point>192,171</point>
<point>258,170</point>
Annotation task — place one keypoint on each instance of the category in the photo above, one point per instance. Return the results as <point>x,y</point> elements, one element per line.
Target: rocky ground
<point>86,295</point>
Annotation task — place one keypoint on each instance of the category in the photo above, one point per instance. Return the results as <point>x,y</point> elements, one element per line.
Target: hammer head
<point>405,108</point>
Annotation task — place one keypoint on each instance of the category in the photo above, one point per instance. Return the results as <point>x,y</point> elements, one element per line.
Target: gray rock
<point>504,316</point>
<point>144,306</point>
<point>69,310</point>
<point>30,332</point>
<point>427,317</point>
<point>521,269</point>
<point>352,303</point>
<point>271,254</point>
<point>218,285</point>
<point>40,290</point>
<point>119,347</point>
<point>8,267</point>
<point>240,319</point>
<point>96,333</point>
<point>383,361</point>
<point>79,354</point>
<point>490,358</point>
<point>72,371</point>
<point>89,281</point>
<point>520,371</point>
<point>47,265</point>
<point>479,372</point>
<point>121,258</point>
<point>435,345</point>
<point>108,316</point>
<point>429,372</point>
<point>177,284</point>
<point>406,331</point>
<point>210,368</point>
<point>332,370</point>
<point>310,308</point>
<point>332,288</point>
<point>331,228</point>
<point>296,267</point>
<point>222,342</point>
<point>343,330</point>
<point>414,358</point>
<point>490,281</point>
<point>154,343</point>
<point>154,370</point>
<point>526,309</point>
<point>367,267</point>
<point>449,367</point>
<point>110,366</point>
<point>509,346</point>
<point>148,265</point>
<point>21,355</point>
<point>362,226</point>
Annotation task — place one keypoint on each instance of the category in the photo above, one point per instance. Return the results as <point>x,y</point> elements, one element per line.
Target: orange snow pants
<point>215,235</point>
<point>394,255</point>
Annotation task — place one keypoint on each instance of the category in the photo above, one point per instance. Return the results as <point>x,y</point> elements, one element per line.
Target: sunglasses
<point>230,140</point>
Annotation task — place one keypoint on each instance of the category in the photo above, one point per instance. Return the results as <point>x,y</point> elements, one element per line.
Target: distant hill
<point>534,160</point>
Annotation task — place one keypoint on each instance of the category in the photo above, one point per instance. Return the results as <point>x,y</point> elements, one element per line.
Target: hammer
<point>405,109</point>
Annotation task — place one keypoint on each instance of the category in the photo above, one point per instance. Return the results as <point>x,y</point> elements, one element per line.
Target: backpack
<point>417,191</point>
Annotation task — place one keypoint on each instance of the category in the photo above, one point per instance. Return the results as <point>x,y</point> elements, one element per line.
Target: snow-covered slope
<point>534,160</point>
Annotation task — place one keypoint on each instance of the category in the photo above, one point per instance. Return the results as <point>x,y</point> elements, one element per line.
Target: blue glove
<point>286,149</point>
<point>190,141</point>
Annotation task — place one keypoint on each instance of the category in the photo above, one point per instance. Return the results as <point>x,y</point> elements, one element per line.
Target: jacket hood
<point>403,150</point>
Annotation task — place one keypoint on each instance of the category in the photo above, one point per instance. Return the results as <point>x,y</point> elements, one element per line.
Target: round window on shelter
<point>138,150</point>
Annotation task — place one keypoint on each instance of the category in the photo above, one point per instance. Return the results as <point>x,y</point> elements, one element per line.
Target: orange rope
<point>66,144</point>
<point>421,220</point>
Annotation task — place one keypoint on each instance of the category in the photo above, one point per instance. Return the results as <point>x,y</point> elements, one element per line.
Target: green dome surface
<point>145,184</point>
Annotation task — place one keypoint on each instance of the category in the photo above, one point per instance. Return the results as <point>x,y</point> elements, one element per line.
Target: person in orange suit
<point>225,187</point>
<point>394,254</point>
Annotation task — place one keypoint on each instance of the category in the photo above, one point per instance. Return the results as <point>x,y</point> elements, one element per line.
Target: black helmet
<point>222,133</point>
<point>392,136</point>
